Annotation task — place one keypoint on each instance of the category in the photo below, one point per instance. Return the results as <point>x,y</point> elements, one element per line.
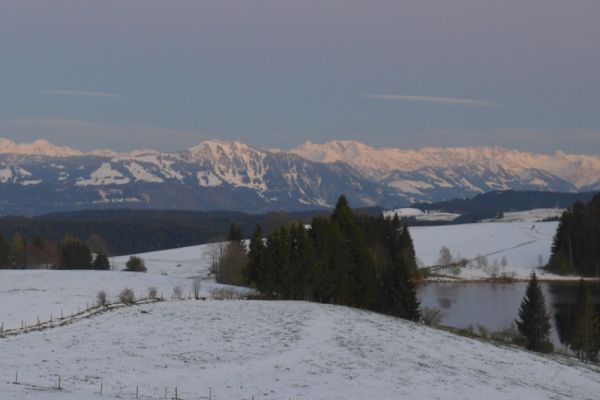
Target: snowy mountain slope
<point>232,175</point>
<point>445,172</point>
<point>277,350</point>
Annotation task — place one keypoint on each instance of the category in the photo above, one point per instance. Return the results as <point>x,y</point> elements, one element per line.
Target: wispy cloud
<point>455,101</point>
<point>80,93</point>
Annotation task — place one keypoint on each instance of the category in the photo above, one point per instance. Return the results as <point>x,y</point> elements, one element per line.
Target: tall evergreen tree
<point>75,255</point>
<point>534,320</point>
<point>584,336</point>
<point>235,233</point>
<point>256,259</point>
<point>3,252</point>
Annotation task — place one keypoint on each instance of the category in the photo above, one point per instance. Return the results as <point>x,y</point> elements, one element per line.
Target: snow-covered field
<point>277,350</point>
<point>184,262</point>
<point>269,350</point>
<point>420,215</point>
<point>538,214</point>
<point>29,294</point>
<point>520,243</point>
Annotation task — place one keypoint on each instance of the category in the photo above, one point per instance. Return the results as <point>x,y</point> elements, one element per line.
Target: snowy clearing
<point>276,350</point>
<point>420,215</point>
<point>520,243</point>
<point>535,215</point>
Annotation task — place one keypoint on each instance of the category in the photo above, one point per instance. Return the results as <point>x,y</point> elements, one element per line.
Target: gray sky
<point>168,74</point>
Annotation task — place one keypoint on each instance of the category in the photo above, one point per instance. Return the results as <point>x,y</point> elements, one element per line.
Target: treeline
<point>138,231</point>
<point>40,253</point>
<point>576,245</point>
<point>360,261</point>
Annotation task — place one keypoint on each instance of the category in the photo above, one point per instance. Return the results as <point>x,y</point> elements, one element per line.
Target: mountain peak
<point>39,147</point>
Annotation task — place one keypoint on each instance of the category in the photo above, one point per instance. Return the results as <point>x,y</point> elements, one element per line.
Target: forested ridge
<point>138,231</point>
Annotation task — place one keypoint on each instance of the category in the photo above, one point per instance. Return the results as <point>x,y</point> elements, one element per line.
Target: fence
<point>136,392</point>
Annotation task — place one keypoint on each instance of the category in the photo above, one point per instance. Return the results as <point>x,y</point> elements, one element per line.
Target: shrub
<point>224,294</point>
<point>431,316</point>
<point>135,264</point>
<point>102,298</point>
<point>127,296</point>
<point>178,293</point>
<point>196,288</point>
<point>153,293</point>
<point>101,262</point>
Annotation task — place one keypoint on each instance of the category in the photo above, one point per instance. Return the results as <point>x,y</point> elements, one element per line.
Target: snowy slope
<point>519,242</point>
<point>40,293</point>
<point>278,350</point>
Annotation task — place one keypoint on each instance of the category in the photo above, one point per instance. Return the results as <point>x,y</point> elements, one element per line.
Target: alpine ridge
<point>40,177</point>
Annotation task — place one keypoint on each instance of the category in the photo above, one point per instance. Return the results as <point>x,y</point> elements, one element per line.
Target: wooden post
<point>176,398</point>
<point>16,382</point>
<point>165,393</point>
<point>137,392</point>
<point>101,388</point>
<point>209,393</point>
<point>59,383</point>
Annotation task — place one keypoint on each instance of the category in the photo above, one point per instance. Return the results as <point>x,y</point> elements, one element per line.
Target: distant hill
<point>494,204</point>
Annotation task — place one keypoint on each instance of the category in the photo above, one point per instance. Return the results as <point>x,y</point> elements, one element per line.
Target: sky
<point>125,74</point>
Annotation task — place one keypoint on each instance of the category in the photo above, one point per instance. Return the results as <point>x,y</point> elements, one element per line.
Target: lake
<point>495,305</point>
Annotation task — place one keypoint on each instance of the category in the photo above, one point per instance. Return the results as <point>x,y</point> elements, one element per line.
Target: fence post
<point>209,393</point>
<point>101,388</point>
<point>59,383</point>
<point>176,398</point>
<point>16,382</point>
<point>137,392</point>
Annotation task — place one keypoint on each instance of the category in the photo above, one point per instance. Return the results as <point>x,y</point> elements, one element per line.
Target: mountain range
<point>40,177</point>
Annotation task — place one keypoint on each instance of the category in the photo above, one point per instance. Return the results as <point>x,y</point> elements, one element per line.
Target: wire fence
<point>106,391</point>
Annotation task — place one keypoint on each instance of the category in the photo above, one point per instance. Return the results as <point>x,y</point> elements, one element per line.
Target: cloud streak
<point>454,101</point>
<point>79,93</point>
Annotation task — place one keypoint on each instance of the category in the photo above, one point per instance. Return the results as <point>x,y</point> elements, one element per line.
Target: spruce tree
<point>101,262</point>
<point>534,320</point>
<point>256,260</point>
<point>235,233</point>
<point>398,293</point>
<point>584,336</point>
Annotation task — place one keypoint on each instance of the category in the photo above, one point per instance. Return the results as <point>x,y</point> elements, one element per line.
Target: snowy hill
<point>276,350</point>
<point>269,350</point>
<point>216,175</point>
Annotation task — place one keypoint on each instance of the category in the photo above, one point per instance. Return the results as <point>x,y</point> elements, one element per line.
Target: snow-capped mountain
<point>40,177</point>
<point>432,171</point>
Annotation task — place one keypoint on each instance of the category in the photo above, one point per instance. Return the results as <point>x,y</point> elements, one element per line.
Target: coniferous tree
<point>534,320</point>
<point>3,253</point>
<point>256,260</point>
<point>361,271</point>
<point>17,254</point>
<point>584,336</point>
<point>75,255</point>
<point>101,262</point>
<point>235,233</point>
<point>361,261</point>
